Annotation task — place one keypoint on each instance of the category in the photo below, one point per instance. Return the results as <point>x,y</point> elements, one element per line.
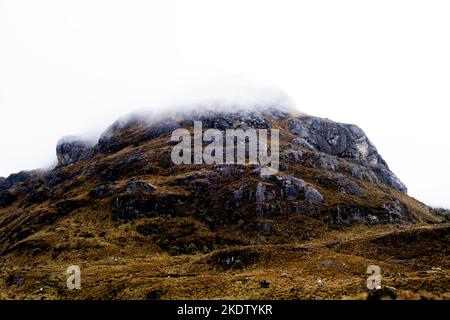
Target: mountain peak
<point>125,194</point>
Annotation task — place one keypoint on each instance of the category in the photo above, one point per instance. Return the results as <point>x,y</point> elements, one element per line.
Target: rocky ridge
<point>329,171</point>
<point>122,198</point>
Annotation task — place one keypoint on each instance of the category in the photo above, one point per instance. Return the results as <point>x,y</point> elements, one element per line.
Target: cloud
<point>231,94</point>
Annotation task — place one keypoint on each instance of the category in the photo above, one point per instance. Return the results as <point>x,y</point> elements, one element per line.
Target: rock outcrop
<point>72,149</point>
<point>344,141</point>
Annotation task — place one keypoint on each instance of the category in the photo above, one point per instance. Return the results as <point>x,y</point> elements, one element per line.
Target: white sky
<point>69,67</point>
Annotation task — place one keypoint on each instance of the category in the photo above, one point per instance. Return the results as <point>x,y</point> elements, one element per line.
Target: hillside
<point>142,227</point>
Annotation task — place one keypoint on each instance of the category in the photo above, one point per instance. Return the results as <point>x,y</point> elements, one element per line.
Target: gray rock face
<point>346,215</point>
<point>341,141</point>
<point>70,150</point>
<point>340,182</point>
<point>239,120</point>
<point>140,186</point>
<point>16,179</point>
<point>240,195</point>
<point>291,187</point>
<point>396,210</point>
<point>291,154</point>
<point>313,196</point>
<point>262,194</point>
<point>302,196</point>
<point>322,161</point>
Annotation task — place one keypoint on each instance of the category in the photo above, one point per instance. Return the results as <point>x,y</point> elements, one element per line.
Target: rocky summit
<point>140,226</point>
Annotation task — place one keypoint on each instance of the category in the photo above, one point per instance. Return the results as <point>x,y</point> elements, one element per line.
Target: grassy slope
<point>119,262</point>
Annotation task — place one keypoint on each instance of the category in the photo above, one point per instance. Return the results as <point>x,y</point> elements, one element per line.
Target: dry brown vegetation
<point>136,268</point>
<point>196,243</point>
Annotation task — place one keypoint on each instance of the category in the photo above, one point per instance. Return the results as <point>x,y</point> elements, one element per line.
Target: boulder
<point>72,149</point>
<point>140,186</point>
<point>313,196</point>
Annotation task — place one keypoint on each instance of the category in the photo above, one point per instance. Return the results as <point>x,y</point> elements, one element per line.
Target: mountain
<point>140,226</point>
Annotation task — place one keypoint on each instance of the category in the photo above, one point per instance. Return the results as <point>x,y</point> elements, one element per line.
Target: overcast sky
<point>69,67</point>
